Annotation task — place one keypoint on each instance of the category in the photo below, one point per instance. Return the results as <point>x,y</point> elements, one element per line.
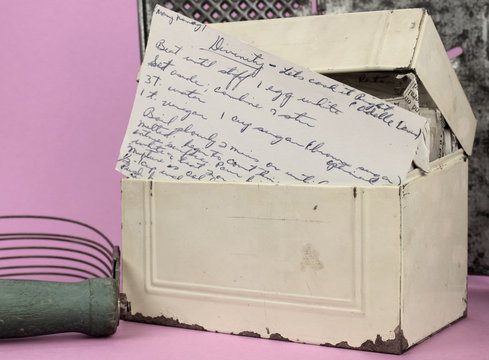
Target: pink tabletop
<point>467,339</point>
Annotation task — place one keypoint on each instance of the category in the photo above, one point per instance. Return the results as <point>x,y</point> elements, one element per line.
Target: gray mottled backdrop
<point>460,23</point>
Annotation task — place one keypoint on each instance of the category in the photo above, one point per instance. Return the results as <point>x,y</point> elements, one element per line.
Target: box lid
<point>370,41</point>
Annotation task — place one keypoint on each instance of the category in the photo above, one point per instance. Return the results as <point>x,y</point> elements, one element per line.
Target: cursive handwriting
<point>191,94</point>
<point>237,77</point>
<point>150,114</point>
<point>242,98</point>
<point>193,79</point>
<point>160,45</point>
<point>195,24</point>
<point>302,118</point>
<point>293,73</point>
<point>281,95</point>
<point>162,65</point>
<point>203,62</point>
<point>253,61</point>
<point>210,108</point>
<point>188,112</point>
<point>323,103</point>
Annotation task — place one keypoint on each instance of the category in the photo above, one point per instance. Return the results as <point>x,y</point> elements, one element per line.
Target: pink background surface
<point>66,91</point>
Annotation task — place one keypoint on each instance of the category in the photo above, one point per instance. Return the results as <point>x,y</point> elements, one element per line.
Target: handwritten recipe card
<point>209,107</point>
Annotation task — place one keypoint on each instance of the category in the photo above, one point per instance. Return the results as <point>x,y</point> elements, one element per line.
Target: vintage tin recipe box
<point>377,268</point>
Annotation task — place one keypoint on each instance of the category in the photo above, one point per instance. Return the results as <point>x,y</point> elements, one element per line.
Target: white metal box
<point>375,268</point>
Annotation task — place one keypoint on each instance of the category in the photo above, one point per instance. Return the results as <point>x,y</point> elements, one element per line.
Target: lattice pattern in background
<point>209,11</point>
<point>212,11</point>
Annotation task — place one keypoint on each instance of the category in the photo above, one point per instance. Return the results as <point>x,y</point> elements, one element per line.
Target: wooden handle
<point>31,307</point>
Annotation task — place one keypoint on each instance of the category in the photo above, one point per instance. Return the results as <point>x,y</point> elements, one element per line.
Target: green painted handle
<point>31,307</point>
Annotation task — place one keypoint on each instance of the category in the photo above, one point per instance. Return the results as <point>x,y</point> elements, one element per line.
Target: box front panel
<point>237,242</point>
<point>308,263</point>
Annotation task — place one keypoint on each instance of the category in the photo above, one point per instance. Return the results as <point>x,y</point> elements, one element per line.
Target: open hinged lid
<point>373,41</point>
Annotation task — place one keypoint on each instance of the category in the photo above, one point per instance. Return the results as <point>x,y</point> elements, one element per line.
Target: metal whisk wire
<point>64,254</point>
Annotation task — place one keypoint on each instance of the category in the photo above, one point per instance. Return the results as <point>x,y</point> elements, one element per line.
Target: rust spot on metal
<point>250,334</point>
<point>355,192</point>
<point>277,336</point>
<point>160,320</point>
<point>392,346</point>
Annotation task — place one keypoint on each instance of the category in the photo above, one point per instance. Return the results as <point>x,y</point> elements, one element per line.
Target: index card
<point>209,107</point>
